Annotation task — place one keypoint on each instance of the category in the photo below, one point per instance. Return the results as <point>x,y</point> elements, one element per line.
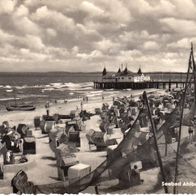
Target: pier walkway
<point>163,84</point>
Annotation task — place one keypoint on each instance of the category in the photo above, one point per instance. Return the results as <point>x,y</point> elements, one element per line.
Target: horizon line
<point>86,72</point>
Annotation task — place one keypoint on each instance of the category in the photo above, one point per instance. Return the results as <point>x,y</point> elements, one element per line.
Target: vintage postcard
<point>97,96</point>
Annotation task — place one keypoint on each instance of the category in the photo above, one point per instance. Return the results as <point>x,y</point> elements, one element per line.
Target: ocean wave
<point>7,86</point>
<point>79,86</point>
<point>9,90</point>
<point>55,85</point>
<point>9,99</point>
<point>31,95</point>
<point>21,87</point>
<point>84,86</point>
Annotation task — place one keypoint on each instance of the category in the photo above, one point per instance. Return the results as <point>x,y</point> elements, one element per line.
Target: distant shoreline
<point>71,72</point>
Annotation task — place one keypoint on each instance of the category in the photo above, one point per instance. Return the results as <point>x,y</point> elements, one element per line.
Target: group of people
<point>10,137</point>
<point>12,141</point>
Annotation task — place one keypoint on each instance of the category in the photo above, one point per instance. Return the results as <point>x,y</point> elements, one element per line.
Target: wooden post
<point>155,141</point>
<point>96,190</point>
<point>169,85</point>
<point>194,72</point>
<point>180,127</point>
<point>165,148</point>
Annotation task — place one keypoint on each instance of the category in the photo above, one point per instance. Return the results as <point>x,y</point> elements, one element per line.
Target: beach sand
<point>44,169</point>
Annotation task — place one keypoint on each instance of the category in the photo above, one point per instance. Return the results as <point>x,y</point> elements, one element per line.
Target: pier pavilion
<point>125,79</point>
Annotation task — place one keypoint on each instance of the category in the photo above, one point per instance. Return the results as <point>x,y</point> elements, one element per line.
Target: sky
<point>86,35</point>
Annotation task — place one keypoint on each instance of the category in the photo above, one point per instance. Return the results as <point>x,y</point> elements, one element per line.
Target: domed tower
<point>104,71</point>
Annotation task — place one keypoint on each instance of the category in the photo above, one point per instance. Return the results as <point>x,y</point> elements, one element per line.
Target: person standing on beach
<point>47,104</point>
<point>81,104</point>
<point>190,131</point>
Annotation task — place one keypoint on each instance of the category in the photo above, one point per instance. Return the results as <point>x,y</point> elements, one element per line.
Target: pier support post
<point>169,85</point>
<point>183,84</point>
<point>157,85</point>
<point>164,85</point>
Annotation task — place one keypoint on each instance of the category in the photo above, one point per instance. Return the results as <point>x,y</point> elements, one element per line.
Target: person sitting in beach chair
<point>4,129</point>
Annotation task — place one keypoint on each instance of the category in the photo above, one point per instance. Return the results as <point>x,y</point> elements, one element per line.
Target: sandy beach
<point>44,170</point>
<point>44,163</point>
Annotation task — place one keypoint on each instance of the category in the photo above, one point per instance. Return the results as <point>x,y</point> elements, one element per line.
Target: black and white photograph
<point>97,97</point>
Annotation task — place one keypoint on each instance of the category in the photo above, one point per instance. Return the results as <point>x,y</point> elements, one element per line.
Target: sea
<point>51,86</point>
<point>39,88</point>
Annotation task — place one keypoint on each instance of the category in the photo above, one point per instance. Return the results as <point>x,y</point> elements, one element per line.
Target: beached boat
<point>21,107</point>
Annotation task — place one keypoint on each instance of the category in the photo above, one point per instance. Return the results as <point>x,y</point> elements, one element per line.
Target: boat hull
<point>19,108</point>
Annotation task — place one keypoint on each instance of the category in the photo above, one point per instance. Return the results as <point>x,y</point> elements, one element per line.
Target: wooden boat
<point>21,107</point>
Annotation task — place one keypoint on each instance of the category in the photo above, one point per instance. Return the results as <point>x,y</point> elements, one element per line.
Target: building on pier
<point>125,79</point>
<point>124,76</point>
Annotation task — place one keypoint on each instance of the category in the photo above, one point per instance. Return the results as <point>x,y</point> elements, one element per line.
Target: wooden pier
<point>139,85</point>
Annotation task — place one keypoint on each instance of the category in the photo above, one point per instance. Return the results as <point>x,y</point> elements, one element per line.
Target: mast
<point>181,118</point>
<point>155,141</point>
<point>194,71</point>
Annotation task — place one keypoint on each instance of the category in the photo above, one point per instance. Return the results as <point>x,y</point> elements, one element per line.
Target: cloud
<point>154,34</point>
<point>7,7</point>
<point>87,31</point>
<point>95,54</point>
<point>5,37</point>
<point>22,11</point>
<point>158,9</point>
<point>54,19</point>
<point>184,9</point>
<point>51,32</point>
<point>34,42</point>
<point>151,45</point>
<point>117,11</point>
<point>91,9</point>
<point>32,56</point>
<point>25,26</point>
<point>181,26</point>
<point>105,45</point>
<point>183,43</point>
